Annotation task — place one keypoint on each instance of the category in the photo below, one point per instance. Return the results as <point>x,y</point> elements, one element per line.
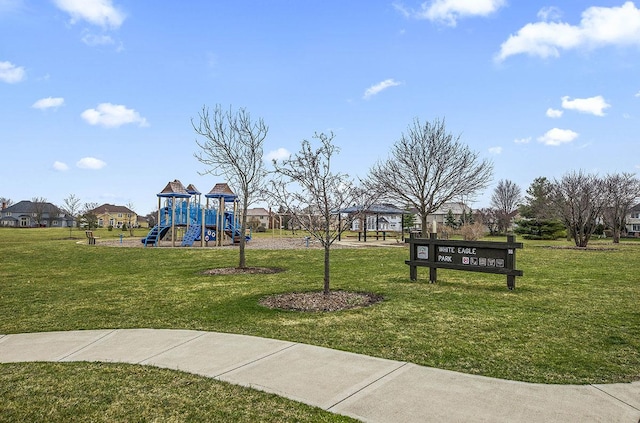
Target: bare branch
<point>232,147</point>
<point>428,167</point>
<point>623,191</point>
<point>579,199</point>
<point>505,200</point>
<point>314,195</point>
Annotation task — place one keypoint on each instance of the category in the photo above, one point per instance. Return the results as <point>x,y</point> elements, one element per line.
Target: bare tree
<point>72,208</point>
<point>579,199</point>
<point>428,167</point>
<point>232,147</point>
<point>130,206</point>
<point>623,191</point>
<point>313,196</point>
<point>5,202</point>
<point>151,218</point>
<point>39,209</point>
<point>505,200</point>
<point>489,218</point>
<point>90,219</point>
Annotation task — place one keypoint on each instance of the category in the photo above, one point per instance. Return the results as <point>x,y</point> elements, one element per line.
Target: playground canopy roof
<point>174,189</point>
<point>191,189</point>
<point>221,190</point>
<point>374,209</point>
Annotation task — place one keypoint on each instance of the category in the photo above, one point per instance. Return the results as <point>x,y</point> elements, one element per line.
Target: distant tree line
<point>577,205</point>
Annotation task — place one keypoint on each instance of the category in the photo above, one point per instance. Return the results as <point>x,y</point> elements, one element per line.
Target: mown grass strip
<point>98,392</point>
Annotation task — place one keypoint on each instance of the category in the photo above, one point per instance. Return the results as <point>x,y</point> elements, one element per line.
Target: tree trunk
<point>616,236</point>
<point>424,231</point>
<point>243,227</point>
<point>582,239</point>
<point>326,268</point>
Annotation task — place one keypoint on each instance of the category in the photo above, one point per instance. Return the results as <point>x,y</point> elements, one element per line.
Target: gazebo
<point>375,209</point>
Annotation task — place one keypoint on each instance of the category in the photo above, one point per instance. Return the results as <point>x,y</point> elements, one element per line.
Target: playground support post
<point>220,222</point>
<point>202,226</point>
<point>173,222</point>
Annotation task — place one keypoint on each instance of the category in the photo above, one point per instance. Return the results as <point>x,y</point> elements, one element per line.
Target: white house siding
<point>633,221</point>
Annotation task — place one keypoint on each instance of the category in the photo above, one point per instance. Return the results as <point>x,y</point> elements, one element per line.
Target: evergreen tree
<point>538,203</point>
<point>450,220</point>
<point>470,217</point>
<point>408,220</point>
<point>548,229</point>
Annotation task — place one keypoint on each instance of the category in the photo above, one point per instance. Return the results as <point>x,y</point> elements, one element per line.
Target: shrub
<point>546,229</point>
<point>473,231</point>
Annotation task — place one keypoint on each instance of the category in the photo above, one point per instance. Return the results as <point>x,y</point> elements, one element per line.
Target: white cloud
<point>48,103</point>
<point>380,86</point>
<point>279,154</point>
<point>449,11</point>
<point>522,140</point>
<point>637,94</point>
<point>11,73</point>
<point>553,113</point>
<point>60,166</point>
<point>495,150</point>
<point>97,40</point>
<point>112,116</point>
<point>599,26</point>
<point>555,137</point>
<point>592,105</point>
<point>90,163</point>
<point>550,13</point>
<point>96,12</point>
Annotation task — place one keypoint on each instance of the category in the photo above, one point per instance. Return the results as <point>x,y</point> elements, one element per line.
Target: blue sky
<point>98,95</point>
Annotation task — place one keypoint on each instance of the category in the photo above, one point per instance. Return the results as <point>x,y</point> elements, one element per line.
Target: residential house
<point>110,215</point>
<point>259,217</point>
<point>29,214</point>
<point>143,222</point>
<point>458,209</point>
<point>633,221</point>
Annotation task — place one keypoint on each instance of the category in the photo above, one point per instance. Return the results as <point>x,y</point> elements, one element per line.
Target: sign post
<point>474,256</point>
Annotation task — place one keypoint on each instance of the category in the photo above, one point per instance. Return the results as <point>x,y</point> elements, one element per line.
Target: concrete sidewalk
<point>367,388</point>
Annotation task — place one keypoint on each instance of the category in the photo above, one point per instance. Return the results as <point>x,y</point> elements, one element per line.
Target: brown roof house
<point>111,215</point>
<point>258,217</point>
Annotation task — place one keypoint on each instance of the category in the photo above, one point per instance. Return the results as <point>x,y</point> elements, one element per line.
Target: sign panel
<point>477,256</point>
<point>471,256</point>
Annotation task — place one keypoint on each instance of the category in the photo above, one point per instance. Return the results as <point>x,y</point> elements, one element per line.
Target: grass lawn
<point>573,318</point>
<point>97,392</point>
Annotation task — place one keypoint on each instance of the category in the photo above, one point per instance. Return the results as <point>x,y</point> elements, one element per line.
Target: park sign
<point>474,256</point>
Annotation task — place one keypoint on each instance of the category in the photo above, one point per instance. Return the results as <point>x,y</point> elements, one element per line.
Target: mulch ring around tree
<point>243,271</point>
<point>318,301</point>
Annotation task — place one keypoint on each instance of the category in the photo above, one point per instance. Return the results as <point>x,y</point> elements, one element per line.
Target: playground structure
<point>184,217</point>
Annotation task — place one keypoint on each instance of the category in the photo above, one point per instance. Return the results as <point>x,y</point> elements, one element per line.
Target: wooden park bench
<point>90,237</point>
<point>362,236</point>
